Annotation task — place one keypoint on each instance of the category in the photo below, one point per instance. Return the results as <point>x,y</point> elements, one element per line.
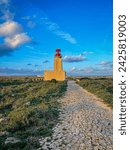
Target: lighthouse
<point>58,61</point>
<point>58,73</point>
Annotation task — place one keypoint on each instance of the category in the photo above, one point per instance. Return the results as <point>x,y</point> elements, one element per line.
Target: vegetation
<point>28,110</point>
<point>102,87</point>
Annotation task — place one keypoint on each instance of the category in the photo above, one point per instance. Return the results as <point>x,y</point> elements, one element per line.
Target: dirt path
<point>84,124</point>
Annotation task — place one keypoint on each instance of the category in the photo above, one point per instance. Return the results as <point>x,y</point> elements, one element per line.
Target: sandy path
<point>85,124</point>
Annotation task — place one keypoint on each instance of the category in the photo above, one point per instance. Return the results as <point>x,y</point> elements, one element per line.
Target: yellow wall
<point>57,73</point>
<point>58,64</point>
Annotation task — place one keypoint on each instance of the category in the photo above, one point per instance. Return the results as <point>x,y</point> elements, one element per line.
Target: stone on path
<point>85,124</point>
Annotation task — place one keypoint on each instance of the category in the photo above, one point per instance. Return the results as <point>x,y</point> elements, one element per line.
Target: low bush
<point>29,109</point>
<point>102,87</point>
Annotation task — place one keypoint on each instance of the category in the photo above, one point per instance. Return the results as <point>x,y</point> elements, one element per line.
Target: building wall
<point>57,64</point>
<point>58,75</point>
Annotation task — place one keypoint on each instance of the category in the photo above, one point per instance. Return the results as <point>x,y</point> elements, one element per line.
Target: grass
<point>102,87</point>
<point>28,110</point>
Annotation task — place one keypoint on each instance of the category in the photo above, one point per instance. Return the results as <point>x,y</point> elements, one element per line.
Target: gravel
<point>85,123</point>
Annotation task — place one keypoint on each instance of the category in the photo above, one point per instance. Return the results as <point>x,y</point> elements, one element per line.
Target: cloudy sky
<point>31,30</point>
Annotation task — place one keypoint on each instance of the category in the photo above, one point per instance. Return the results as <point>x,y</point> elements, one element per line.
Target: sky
<point>31,30</point>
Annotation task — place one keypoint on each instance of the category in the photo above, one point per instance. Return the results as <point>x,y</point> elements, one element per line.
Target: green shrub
<point>30,109</point>
<point>102,87</point>
<point>53,81</point>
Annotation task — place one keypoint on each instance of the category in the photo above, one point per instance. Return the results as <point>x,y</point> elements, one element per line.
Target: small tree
<point>53,81</point>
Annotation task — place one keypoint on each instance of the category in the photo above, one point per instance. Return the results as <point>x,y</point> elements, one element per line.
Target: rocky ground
<point>85,123</point>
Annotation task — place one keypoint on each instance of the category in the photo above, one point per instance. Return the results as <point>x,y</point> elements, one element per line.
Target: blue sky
<point>31,30</point>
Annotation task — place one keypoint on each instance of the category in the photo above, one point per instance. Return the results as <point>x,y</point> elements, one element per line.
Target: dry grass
<point>102,87</point>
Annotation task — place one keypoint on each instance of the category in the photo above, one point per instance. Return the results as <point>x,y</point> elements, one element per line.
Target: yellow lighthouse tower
<point>58,72</point>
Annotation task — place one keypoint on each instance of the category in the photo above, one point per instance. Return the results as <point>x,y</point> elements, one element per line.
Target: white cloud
<point>73,69</point>
<point>104,68</point>
<point>29,17</point>
<point>7,15</point>
<point>83,53</point>
<point>31,24</point>
<point>86,53</point>
<point>72,59</point>
<point>106,64</point>
<point>30,20</point>
<point>4,1</point>
<point>13,37</point>
<point>17,40</point>
<point>90,71</point>
<point>19,71</point>
<point>11,31</point>
<point>66,36</point>
<point>86,70</point>
<point>52,26</point>
<point>30,47</point>
<point>26,18</point>
<point>10,28</point>
<point>4,9</point>
<point>89,52</point>
<point>55,28</point>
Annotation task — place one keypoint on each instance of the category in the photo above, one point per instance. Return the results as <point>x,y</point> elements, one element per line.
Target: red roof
<point>59,55</point>
<point>58,50</point>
